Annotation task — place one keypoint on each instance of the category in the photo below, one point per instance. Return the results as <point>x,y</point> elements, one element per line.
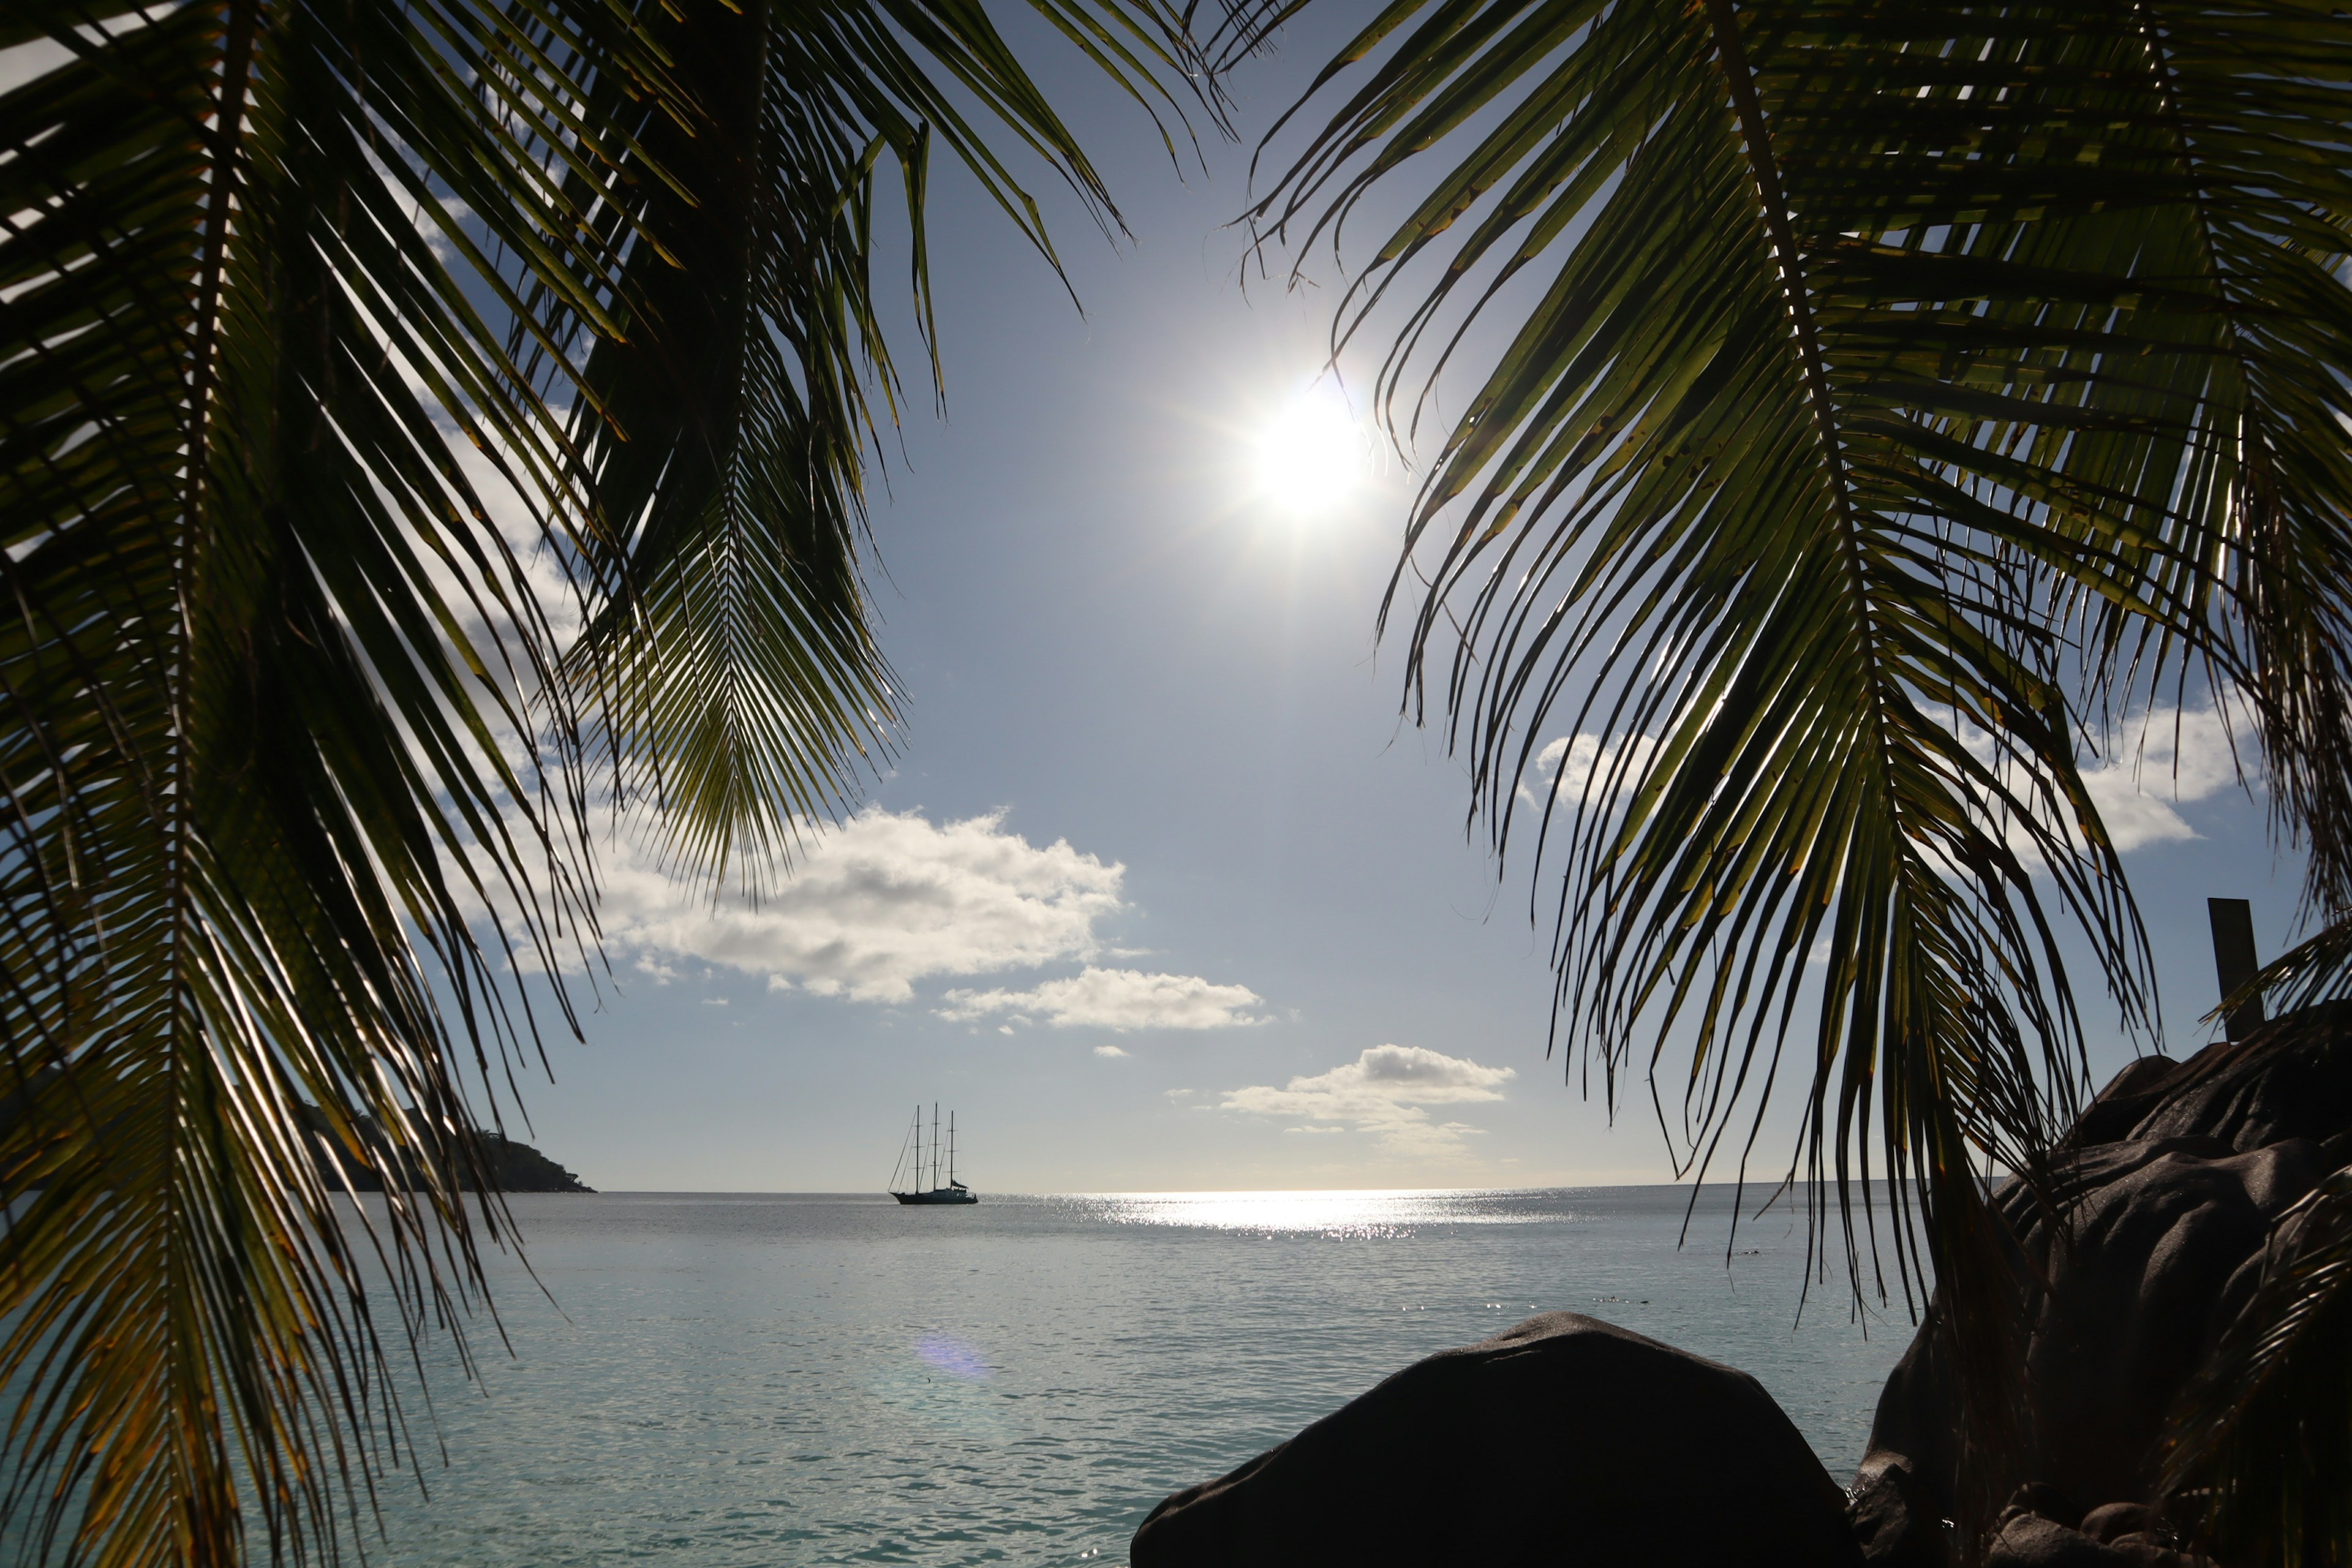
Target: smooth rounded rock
<point>1563,1440</point>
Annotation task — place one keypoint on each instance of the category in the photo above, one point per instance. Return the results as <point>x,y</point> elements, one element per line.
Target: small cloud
<point>1003,1028</point>
<point>1385,1091</point>
<point>1574,764</point>
<point>1120,999</point>
<point>661,974</point>
<point>1109,1052</point>
<point>778,982</point>
<point>714,1001</point>
<point>1313,1131</point>
<point>1176,1093</point>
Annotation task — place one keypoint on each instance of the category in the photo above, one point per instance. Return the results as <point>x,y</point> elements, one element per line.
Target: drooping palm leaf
<point>1876,376</point>
<point>732,438</point>
<point>2263,1443</point>
<point>283,711</point>
<point>247,740</point>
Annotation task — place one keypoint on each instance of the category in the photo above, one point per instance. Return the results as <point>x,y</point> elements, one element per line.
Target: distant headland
<point>516,1167</point>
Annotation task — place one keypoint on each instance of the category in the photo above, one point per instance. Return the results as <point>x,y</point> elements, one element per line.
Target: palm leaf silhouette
<point>1864,400</point>
<point>351,357</point>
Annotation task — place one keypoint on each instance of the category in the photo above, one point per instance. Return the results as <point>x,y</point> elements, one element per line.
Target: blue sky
<point>1160,892</point>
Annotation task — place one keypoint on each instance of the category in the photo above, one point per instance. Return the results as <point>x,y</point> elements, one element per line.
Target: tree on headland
<point>429,425</point>
<point>1877,404</point>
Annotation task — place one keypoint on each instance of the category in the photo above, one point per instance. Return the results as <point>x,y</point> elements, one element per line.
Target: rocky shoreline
<point>1567,1439</point>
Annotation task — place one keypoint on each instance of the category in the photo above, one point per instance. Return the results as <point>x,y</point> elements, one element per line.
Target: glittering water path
<point>819,1379</point>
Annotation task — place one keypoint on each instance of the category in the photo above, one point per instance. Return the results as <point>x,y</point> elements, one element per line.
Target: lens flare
<point>953,1357</point>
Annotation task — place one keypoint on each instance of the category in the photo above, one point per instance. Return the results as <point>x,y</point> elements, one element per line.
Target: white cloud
<point>1106,1050</point>
<point>1385,1090</point>
<point>2180,756</point>
<point>890,898</point>
<point>884,900</point>
<point>1573,761</point>
<point>1119,999</point>
<point>2168,757</point>
<point>2171,757</point>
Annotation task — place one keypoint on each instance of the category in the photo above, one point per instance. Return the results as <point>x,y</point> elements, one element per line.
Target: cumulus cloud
<point>890,898</point>
<point>2186,756</point>
<point>2168,758</point>
<point>1119,999</point>
<point>1573,763</point>
<point>1109,1052</point>
<point>884,900</point>
<point>1385,1091</point>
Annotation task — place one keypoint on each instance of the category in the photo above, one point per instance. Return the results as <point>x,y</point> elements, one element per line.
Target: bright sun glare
<point>1313,454</point>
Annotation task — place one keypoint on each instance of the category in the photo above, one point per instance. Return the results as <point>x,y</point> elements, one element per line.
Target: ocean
<point>716,1380</point>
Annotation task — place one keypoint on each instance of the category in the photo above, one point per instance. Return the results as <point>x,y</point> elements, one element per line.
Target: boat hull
<point>939,1196</point>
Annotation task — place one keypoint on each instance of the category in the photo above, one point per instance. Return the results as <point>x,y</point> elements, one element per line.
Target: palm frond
<point>260,655</point>
<point>740,684</point>
<point>1883,386</point>
<point>2261,1445</point>
<point>296,767</point>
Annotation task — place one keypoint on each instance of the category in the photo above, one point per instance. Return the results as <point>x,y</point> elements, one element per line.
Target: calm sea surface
<point>820,1378</point>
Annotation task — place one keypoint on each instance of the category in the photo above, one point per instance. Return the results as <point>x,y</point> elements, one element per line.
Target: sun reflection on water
<point>1337,1215</point>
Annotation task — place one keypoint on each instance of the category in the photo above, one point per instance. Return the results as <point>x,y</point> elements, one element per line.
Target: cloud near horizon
<point>1120,999</point>
<point>889,899</point>
<point>1384,1092</point>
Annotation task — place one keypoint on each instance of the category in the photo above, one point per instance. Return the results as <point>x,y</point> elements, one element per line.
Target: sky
<point>1161,891</point>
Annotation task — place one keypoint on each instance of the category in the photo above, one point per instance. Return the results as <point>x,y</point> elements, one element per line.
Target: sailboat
<point>924,1185</point>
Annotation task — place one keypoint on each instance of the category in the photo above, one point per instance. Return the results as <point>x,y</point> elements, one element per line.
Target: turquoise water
<point>820,1379</point>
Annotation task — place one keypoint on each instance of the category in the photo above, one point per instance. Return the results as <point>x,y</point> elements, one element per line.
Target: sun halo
<point>1312,454</point>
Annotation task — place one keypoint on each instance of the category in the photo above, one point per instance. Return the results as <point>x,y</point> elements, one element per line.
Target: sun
<point>1313,454</point>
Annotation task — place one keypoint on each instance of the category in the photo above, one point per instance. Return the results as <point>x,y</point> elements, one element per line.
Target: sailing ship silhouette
<point>924,1185</point>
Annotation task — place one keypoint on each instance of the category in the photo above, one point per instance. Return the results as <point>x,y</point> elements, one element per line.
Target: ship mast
<point>935,1147</point>
<point>951,1148</point>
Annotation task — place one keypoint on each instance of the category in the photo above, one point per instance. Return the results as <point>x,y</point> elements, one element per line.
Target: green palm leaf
<point>297,761</point>
<point>739,679</point>
<point>1877,378</point>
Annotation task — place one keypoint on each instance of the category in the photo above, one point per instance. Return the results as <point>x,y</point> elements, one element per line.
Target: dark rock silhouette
<point>523,1169</point>
<point>1561,1440</point>
<point>1895,1522</point>
<point>515,1167</point>
<point>2171,1180</point>
<point>2041,1530</point>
